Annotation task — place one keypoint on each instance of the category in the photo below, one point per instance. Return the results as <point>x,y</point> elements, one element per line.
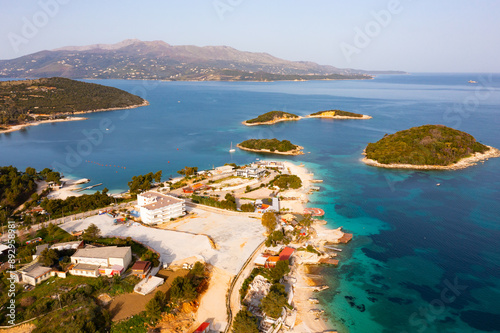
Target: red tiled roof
<point>286,253</point>
<point>141,266</point>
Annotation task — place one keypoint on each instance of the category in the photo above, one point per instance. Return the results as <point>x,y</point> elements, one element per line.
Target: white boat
<point>232,150</point>
<point>472,81</point>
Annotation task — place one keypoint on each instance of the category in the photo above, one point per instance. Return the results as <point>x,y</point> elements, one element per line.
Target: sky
<point>408,35</point>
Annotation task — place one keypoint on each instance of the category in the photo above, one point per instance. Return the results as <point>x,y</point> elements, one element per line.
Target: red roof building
<point>203,328</point>
<point>286,253</point>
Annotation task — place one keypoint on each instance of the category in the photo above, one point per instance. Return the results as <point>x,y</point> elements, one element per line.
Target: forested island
<point>273,146</point>
<point>54,99</point>
<point>428,147</point>
<point>271,117</point>
<point>338,114</point>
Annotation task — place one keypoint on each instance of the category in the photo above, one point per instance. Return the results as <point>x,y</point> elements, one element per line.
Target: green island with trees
<point>427,145</point>
<point>273,146</point>
<point>52,98</point>
<point>271,117</point>
<point>338,114</point>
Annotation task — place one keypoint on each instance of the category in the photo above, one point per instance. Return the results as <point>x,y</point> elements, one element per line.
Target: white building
<point>108,260</point>
<point>156,207</point>
<point>250,172</point>
<point>33,273</point>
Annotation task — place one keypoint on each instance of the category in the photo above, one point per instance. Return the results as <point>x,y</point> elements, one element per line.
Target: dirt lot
<point>127,305</point>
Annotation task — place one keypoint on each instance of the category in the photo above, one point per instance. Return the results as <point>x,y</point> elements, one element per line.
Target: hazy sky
<point>410,35</point>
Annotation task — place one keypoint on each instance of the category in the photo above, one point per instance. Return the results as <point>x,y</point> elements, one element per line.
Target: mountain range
<point>157,60</point>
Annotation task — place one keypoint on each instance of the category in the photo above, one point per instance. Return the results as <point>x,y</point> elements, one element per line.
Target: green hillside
<point>424,145</point>
<point>270,144</point>
<point>52,96</point>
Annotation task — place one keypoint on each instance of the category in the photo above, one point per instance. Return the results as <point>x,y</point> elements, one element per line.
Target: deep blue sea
<point>424,258</point>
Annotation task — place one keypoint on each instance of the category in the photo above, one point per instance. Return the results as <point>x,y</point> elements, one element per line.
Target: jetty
<point>346,238</point>
<point>329,261</point>
<point>88,187</point>
<point>332,248</point>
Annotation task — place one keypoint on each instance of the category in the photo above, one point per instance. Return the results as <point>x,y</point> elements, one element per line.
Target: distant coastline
<point>295,152</point>
<point>462,164</point>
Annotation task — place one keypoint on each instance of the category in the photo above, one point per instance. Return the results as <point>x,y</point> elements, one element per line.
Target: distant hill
<point>21,100</point>
<point>135,59</point>
<point>434,145</point>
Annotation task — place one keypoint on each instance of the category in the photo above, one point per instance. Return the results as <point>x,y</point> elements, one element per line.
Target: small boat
<point>472,81</point>
<point>438,184</point>
<point>232,150</point>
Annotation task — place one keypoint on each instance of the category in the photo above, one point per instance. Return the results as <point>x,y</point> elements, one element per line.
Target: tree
<point>274,301</point>
<point>48,257</point>
<point>188,171</point>
<point>91,233</point>
<point>248,207</point>
<point>269,221</point>
<point>154,309</point>
<point>245,322</point>
<point>281,269</point>
<point>157,176</point>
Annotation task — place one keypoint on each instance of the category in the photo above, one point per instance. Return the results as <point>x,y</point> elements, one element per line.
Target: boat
<point>232,150</point>
<point>438,184</point>
<point>472,81</point>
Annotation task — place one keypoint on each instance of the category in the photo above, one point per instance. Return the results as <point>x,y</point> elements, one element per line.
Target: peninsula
<point>338,114</point>
<point>271,146</point>
<point>32,102</point>
<point>270,118</point>
<point>428,147</point>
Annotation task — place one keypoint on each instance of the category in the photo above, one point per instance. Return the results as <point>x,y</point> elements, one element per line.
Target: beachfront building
<point>108,260</point>
<point>68,246</point>
<point>267,205</point>
<point>223,170</point>
<point>250,172</point>
<point>155,207</point>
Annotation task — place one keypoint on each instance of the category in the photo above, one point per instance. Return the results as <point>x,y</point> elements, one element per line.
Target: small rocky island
<point>271,146</point>
<point>338,114</point>
<point>428,147</point>
<point>270,118</point>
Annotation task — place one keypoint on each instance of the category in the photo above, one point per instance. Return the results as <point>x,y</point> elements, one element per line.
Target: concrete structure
<point>250,172</point>
<point>108,260</point>
<point>148,284</point>
<point>222,170</point>
<point>156,207</point>
<point>268,205</point>
<point>34,273</point>
<point>270,164</point>
<point>67,246</point>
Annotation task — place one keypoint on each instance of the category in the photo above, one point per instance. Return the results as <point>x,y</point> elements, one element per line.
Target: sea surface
<point>424,258</point>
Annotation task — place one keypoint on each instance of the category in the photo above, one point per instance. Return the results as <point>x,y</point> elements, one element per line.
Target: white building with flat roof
<point>156,207</point>
<point>107,260</point>
<point>250,172</point>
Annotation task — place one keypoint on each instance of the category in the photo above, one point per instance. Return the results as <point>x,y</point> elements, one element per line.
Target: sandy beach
<point>340,117</point>
<point>36,123</point>
<point>462,164</point>
<point>68,190</point>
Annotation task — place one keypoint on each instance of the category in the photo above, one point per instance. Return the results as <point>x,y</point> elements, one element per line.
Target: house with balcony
<point>155,207</point>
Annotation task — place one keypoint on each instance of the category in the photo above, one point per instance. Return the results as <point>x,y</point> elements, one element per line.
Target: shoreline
<point>461,164</point>
<point>295,152</point>
<point>69,117</point>
<point>365,116</point>
<point>307,312</point>
<point>271,122</point>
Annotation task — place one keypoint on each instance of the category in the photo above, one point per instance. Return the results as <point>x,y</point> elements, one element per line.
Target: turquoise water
<point>423,259</point>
